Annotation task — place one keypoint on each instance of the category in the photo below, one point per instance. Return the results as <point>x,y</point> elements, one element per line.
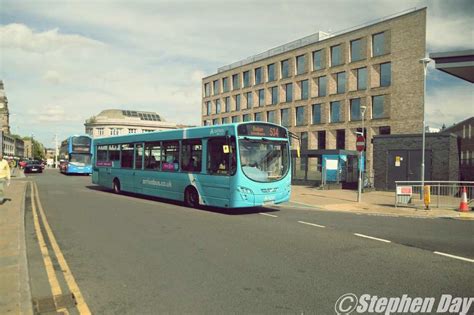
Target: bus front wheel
<point>191,197</point>
<point>116,186</point>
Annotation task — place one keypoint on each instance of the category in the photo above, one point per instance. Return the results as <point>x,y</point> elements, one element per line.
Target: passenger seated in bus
<point>191,165</point>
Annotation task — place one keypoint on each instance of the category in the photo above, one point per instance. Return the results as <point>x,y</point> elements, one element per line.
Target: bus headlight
<point>244,192</point>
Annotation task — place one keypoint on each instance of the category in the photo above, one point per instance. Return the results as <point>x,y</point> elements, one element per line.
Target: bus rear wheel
<point>116,186</point>
<point>191,197</point>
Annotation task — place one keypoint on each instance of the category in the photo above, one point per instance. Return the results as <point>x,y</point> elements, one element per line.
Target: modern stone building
<point>114,122</point>
<point>465,133</point>
<point>398,158</point>
<point>4,113</point>
<point>317,85</point>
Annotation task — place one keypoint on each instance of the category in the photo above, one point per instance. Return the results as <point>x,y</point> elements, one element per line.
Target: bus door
<point>126,173</point>
<point>220,165</point>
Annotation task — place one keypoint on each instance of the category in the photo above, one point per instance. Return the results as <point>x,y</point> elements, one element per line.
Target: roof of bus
<point>193,132</point>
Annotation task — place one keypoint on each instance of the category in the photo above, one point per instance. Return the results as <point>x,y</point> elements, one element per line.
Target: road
<point>136,255</point>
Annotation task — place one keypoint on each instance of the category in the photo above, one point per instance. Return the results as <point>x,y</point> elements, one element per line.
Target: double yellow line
<point>67,274</point>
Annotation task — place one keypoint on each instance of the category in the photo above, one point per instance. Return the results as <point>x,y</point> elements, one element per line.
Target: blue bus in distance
<point>229,166</point>
<point>75,155</point>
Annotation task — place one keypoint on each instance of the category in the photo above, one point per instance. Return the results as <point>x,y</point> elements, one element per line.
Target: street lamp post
<point>359,190</point>
<point>425,61</point>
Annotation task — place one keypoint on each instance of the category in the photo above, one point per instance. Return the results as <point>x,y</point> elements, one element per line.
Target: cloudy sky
<point>64,61</point>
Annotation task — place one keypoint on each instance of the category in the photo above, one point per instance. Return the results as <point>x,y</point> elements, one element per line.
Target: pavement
<point>374,202</point>
<point>15,296</point>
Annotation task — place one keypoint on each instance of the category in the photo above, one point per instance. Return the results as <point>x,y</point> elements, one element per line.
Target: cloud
<point>448,106</point>
<point>20,36</point>
<point>52,77</point>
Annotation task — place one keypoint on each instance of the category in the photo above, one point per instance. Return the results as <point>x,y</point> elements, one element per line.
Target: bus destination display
<point>261,130</point>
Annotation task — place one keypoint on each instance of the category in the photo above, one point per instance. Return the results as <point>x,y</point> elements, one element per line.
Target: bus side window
<point>101,153</point>
<point>127,155</point>
<point>152,156</point>
<point>170,160</point>
<point>191,155</point>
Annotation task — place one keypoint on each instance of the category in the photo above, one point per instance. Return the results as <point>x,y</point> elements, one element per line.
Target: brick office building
<point>317,85</point>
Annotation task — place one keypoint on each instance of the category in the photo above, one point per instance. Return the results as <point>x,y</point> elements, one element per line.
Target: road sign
<point>360,143</point>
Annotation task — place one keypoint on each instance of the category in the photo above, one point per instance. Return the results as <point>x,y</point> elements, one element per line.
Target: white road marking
<point>312,224</point>
<point>269,215</point>
<point>455,257</point>
<point>372,238</point>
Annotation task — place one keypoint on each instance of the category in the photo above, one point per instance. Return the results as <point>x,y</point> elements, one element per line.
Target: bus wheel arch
<point>116,185</point>
<point>191,197</point>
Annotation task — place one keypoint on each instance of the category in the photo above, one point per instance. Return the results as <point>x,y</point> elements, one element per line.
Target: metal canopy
<point>457,63</point>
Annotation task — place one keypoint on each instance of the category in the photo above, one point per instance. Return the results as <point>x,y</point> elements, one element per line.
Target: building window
<point>216,87</point>
<point>227,104</point>
<point>207,90</point>
<point>384,130</point>
<point>208,108</point>
<point>225,85</point>
<point>285,69</point>
<point>271,72</point>
<point>261,97</point>
<point>340,139</point>
<point>322,86</point>
<point>132,130</point>
<point>215,121</point>
<point>318,62</point>
<point>289,92</point>
<point>304,140</point>
<point>218,106</point>
<point>304,89</point>
<point>299,113</point>
<point>225,120</point>
<point>237,102</point>
<point>271,116</point>
<point>378,106</point>
<point>114,131</point>
<point>258,75</point>
<point>336,55</point>
<point>235,119</point>
<point>285,117</point>
<point>355,109</point>
<point>385,74</point>
<point>246,79</point>
<point>378,44</point>
<point>322,140</point>
<point>341,82</point>
<point>249,98</point>
<point>361,78</point>
<point>356,50</point>
<point>246,117</point>
<point>258,117</point>
<point>335,112</point>
<point>274,92</point>
<point>316,115</point>
<point>235,81</point>
<point>301,64</point>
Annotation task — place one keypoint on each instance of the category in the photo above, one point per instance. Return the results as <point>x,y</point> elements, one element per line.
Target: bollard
<point>427,196</point>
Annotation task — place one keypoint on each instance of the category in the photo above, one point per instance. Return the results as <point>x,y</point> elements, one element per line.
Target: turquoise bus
<point>75,155</point>
<point>228,166</point>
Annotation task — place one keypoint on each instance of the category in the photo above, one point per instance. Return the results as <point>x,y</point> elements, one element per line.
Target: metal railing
<point>443,194</point>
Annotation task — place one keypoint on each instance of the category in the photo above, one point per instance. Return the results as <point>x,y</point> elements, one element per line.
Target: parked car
<point>23,163</point>
<point>33,167</point>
